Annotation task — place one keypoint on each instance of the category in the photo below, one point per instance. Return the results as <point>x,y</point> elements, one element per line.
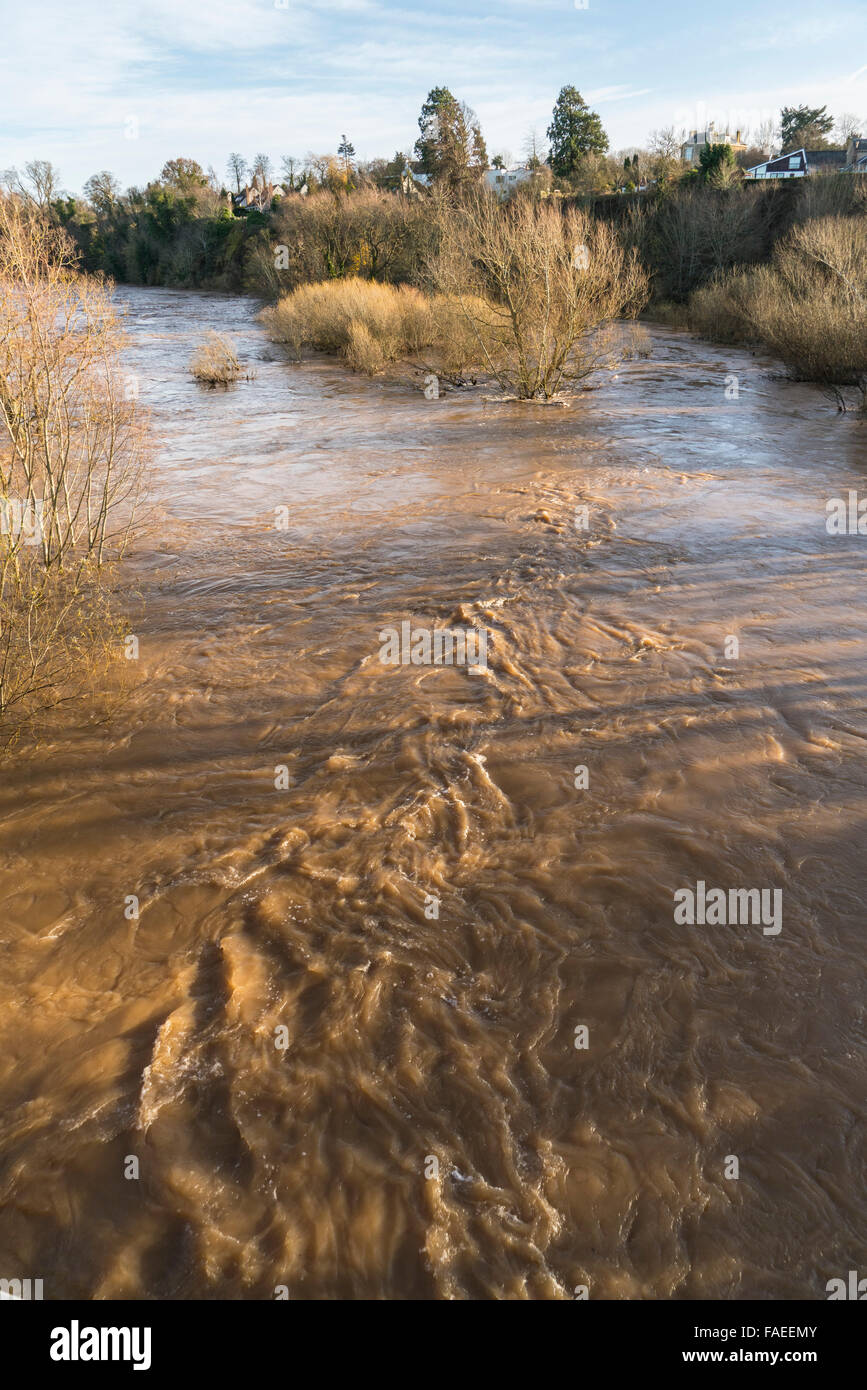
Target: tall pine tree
<point>575,131</point>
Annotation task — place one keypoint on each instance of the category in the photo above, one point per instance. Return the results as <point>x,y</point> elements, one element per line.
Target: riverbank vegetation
<point>519,294</point>
<point>809,306</point>
<point>482,264</point>
<point>72,450</point>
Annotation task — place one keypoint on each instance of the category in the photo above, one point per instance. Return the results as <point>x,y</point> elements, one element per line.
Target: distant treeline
<point>685,232</point>
<point>165,236</point>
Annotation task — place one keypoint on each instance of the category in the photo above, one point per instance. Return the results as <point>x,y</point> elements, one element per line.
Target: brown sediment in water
<point>408,1036</point>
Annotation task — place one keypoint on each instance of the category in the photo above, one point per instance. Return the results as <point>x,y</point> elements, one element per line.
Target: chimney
<point>737,137</point>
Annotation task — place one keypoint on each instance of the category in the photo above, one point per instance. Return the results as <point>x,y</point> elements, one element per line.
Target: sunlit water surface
<point>410,1037</point>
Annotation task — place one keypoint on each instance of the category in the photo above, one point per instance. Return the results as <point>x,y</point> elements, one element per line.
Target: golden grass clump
<point>366,323</point>
<point>215,362</point>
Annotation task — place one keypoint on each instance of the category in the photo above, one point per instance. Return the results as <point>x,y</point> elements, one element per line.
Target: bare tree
<point>237,170</point>
<point>848,126</point>
<point>102,191</point>
<point>665,143</point>
<point>533,286</point>
<point>71,453</point>
<point>262,169</point>
<point>288,165</point>
<point>767,135</point>
<point>39,184</point>
<point>533,149</point>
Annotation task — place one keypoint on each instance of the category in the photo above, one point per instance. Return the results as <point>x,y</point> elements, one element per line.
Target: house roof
<point>828,159</point>
<point>781,162</point>
<point>511,171</point>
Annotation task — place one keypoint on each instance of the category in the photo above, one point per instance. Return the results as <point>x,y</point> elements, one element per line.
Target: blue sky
<point>127,84</point>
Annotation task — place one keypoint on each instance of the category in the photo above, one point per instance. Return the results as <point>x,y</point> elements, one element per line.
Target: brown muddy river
<point>414,1017</point>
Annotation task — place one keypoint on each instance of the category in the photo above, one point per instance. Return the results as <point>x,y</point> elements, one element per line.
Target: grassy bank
<point>808,306</point>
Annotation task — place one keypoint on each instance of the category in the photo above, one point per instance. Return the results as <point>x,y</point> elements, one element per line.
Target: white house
<point>785,166</point>
<point>856,154</point>
<point>504,181</point>
<point>259,195</point>
<point>412,183</point>
<point>802,162</point>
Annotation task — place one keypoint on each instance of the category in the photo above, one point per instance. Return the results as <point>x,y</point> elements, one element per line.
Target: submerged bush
<point>366,323</point>
<point>215,362</point>
<point>727,309</point>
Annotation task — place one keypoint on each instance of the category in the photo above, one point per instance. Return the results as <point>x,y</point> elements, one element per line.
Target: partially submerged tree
<point>533,287</point>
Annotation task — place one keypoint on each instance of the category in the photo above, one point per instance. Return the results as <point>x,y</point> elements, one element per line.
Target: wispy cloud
<point>606,94</point>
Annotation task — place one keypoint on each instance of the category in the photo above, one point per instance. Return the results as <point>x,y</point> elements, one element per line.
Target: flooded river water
<point>405,1012</point>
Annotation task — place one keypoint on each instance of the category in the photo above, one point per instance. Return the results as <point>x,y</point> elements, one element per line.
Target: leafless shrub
<point>725,310</point>
<point>690,233</point>
<point>838,195</point>
<point>671,315</point>
<point>535,286</point>
<point>638,343</point>
<point>71,451</point>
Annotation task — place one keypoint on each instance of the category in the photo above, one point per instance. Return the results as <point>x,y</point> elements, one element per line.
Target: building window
<point>794,161</point>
